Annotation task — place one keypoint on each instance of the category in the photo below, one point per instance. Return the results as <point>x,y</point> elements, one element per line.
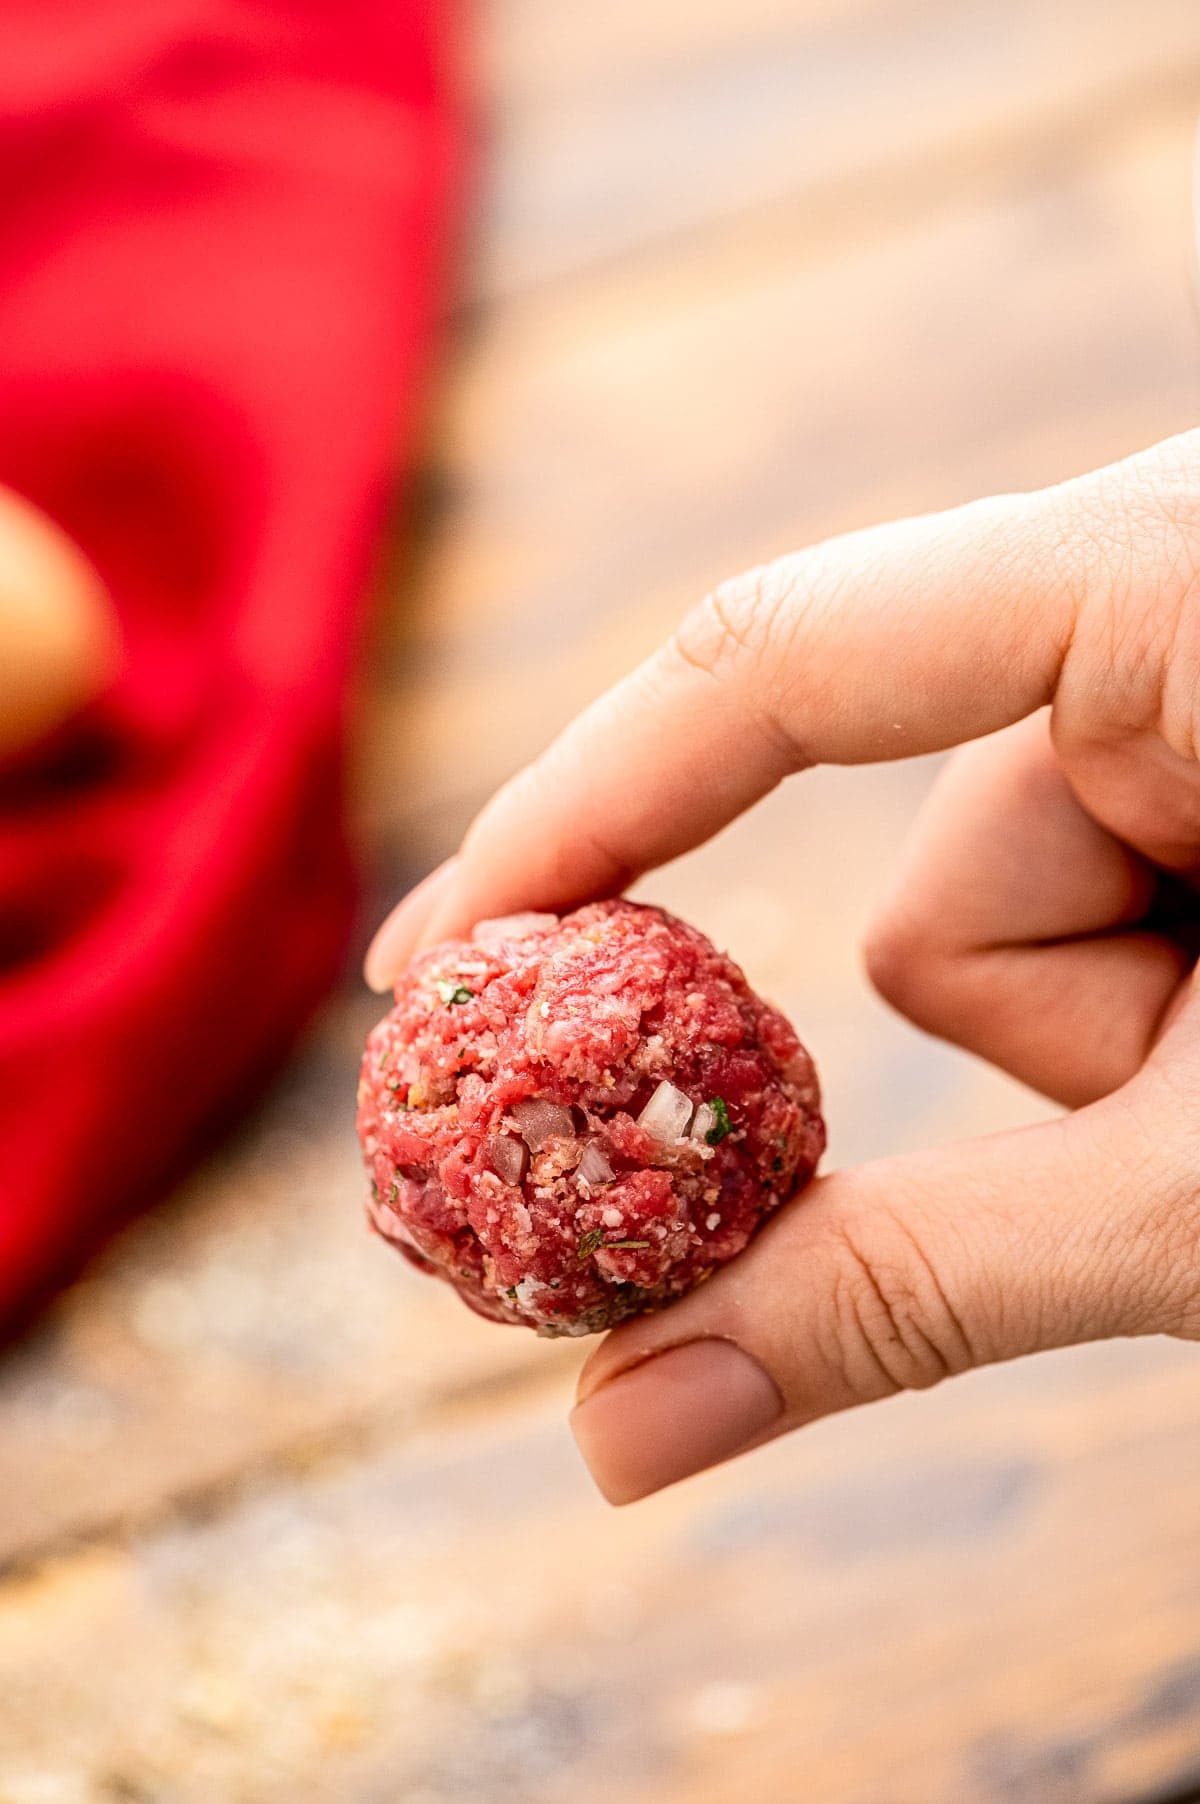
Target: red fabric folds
<point>221,228</point>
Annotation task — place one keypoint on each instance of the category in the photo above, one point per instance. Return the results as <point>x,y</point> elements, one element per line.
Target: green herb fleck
<point>452,993</point>
<point>594,1242</point>
<point>384,1057</point>
<point>721,1123</point>
<point>394,1192</point>
<point>591,1243</point>
<point>777,1163</point>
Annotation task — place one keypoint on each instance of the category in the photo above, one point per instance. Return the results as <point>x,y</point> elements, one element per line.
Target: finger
<point>1012,925</point>
<point>890,1278</point>
<point>894,641</point>
<point>385,954</point>
<point>890,642</point>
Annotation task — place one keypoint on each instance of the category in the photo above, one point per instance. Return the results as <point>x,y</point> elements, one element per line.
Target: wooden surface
<point>280,1521</point>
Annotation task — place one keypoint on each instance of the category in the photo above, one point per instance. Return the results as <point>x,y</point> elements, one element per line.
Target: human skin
<point>1042,917</point>
<point>57,637</point>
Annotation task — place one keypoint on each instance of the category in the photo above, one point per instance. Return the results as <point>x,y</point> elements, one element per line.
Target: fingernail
<point>397,938</point>
<point>675,1414</point>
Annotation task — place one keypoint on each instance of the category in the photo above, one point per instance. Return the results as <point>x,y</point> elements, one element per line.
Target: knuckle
<point>1167,1285</point>
<point>1156,1159</point>
<point>899,956</point>
<point>710,639</point>
<point>1161,487</point>
<point>740,636</point>
<point>1135,531</point>
<point>1146,508</point>
<point>890,1326</point>
<point>938,986</point>
<point>1139,1242</point>
<point>742,619</point>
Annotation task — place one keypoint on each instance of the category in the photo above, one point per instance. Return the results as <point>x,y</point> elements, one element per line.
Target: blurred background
<point>281,1521</point>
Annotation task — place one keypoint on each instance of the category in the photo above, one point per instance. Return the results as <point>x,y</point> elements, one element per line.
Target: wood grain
<point>984,1595</point>
<point>845,111</point>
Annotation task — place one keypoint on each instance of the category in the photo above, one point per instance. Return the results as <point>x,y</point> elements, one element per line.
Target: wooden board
<point>980,1594</point>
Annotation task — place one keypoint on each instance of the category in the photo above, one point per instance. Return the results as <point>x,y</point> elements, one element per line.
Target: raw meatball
<point>573,1120</point>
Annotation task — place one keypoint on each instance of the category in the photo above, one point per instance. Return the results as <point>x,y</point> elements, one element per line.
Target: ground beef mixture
<point>576,1119</point>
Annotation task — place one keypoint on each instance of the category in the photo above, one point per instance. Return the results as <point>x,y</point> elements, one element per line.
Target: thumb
<point>894,1276</point>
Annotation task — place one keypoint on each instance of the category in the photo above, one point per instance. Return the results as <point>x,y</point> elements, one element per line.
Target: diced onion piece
<point>705,1121</point>
<point>666,1116</point>
<point>512,927</point>
<point>509,1158</point>
<point>594,1167</point>
<point>540,1121</point>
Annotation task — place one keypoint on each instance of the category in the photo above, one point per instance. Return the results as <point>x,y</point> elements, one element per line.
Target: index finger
<point>882,644</point>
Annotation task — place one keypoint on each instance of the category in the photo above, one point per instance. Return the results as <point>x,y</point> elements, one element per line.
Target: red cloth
<point>221,226</point>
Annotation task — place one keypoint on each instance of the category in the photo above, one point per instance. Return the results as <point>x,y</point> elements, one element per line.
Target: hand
<point>57,634</point>
<point>1045,917</point>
